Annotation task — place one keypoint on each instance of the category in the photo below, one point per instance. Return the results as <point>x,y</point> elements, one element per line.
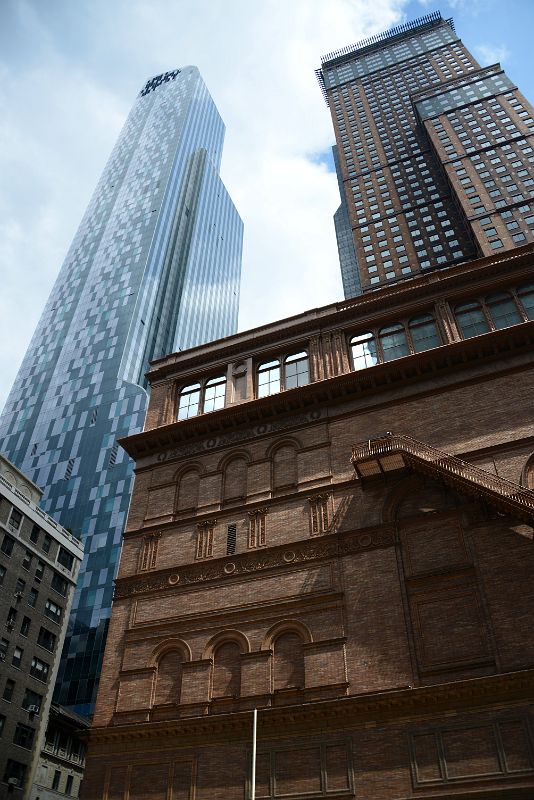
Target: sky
<point>70,71</point>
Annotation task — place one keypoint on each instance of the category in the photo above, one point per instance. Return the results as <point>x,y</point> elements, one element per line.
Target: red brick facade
<point>376,606</point>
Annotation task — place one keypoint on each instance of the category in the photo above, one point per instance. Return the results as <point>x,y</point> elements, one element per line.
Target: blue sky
<point>70,71</point>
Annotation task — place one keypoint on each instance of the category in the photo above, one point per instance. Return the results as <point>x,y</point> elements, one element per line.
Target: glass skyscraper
<point>154,268</point>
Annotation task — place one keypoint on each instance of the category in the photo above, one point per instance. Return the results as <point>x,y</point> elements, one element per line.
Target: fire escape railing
<point>505,494</point>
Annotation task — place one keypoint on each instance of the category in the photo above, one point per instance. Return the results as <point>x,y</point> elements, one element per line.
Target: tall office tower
<point>153,268</point>
<point>434,152</point>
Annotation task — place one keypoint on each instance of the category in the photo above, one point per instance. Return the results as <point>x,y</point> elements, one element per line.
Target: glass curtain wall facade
<point>434,153</point>
<point>154,268</point>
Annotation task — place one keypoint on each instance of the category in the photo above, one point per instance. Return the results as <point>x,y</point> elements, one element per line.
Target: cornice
<point>306,403</point>
<point>242,564</point>
<point>394,706</point>
<point>377,305</point>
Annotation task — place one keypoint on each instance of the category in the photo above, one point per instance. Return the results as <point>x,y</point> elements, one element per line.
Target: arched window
<point>503,310</point>
<point>296,372</point>
<point>526,296</point>
<point>393,341</point>
<point>268,378</point>
<point>214,394</point>
<point>285,466</point>
<point>363,349</point>
<point>200,398</point>
<point>189,403</point>
<point>227,670</point>
<point>471,319</point>
<point>424,333</point>
<point>235,479</point>
<point>288,661</point>
<point>283,373</point>
<point>169,678</point>
<point>188,490</point>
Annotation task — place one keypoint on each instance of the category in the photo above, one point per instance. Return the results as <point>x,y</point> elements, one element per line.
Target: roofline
<point>378,40</point>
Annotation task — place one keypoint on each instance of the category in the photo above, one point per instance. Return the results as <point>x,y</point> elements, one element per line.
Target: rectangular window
<point>16,660</point>
<point>25,626</point>
<point>59,584</point>
<point>46,639</point>
<point>2,723</point>
<point>53,611</point>
<point>65,558</point>
<point>47,541</point>
<point>19,588</point>
<point>15,773</point>
<point>32,701</point>
<point>24,736</point>
<point>15,519</point>
<point>35,533</point>
<point>39,572</point>
<point>9,688</point>
<point>7,545</point>
<point>27,560</point>
<point>4,644</point>
<point>68,785</point>
<point>56,779</point>
<point>32,597</point>
<point>2,574</point>
<point>39,669</point>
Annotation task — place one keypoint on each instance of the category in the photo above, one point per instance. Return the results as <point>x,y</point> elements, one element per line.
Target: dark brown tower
<point>434,153</point>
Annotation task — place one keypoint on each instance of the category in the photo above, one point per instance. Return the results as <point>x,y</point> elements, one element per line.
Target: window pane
<point>65,558</point>
<point>424,333</point>
<point>526,295</point>
<point>296,370</point>
<point>471,319</point>
<point>214,394</point>
<point>363,351</point>
<point>394,344</point>
<point>189,401</point>
<point>269,378</point>
<point>503,310</point>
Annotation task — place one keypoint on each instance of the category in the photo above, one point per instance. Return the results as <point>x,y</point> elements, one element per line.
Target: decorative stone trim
<point>247,563</point>
<point>149,551</point>
<point>256,530</point>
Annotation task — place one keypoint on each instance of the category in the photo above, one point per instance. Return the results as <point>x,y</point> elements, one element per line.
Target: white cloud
<point>491,53</point>
<point>67,80</point>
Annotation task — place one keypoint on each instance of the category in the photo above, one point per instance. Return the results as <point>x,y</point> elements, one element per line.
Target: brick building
<point>434,154</point>
<point>332,523</point>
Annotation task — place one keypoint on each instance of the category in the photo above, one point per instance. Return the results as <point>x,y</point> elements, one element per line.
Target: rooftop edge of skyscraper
<point>377,41</point>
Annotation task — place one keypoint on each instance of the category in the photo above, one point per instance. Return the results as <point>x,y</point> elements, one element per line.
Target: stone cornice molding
<point>226,426</point>
<point>456,280</point>
<point>243,564</point>
<point>345,713</point>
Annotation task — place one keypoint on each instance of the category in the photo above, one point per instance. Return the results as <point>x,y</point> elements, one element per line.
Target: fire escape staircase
<point>390,452</point>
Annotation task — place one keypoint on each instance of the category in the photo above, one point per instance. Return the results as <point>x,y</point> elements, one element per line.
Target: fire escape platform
<point>390,452</point>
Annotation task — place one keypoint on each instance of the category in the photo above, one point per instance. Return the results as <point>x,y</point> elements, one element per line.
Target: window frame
<point>407,325</point>
<point>201,388</point>
<point>514,293</point>
<point>281,361</point>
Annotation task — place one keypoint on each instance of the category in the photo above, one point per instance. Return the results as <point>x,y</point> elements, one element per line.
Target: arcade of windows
<point>376,346</point>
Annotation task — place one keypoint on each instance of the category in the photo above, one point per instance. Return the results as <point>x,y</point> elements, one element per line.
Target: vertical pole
<point>253,777</point>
